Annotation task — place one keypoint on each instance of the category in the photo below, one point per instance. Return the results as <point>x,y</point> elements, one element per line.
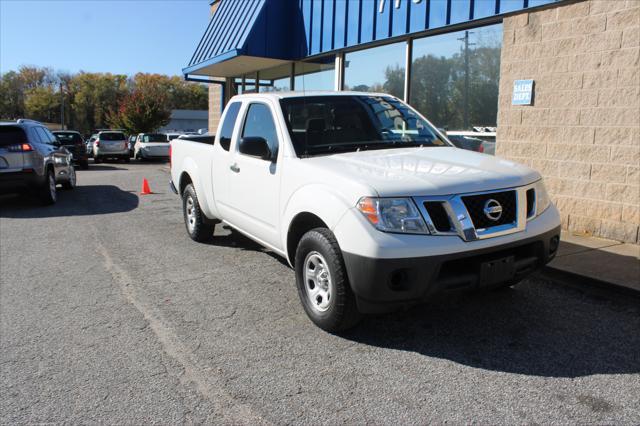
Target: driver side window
<point>259,122</point>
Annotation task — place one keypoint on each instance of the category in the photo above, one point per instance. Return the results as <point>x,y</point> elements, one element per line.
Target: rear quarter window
<point>228,125</point>
<point>11,135</point>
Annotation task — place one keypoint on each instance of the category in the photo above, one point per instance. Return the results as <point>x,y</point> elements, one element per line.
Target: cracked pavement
<point>111,314</point>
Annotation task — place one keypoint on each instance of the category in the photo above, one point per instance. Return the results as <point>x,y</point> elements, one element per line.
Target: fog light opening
<point>554,243</point>
<point>399,280</point>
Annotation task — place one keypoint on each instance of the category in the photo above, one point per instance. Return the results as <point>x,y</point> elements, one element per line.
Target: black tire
<point>71,183</point>
<point>194,219</point>
<point>127,160</point>
<point>84,165</point>
<point>342,312</point>
<point>48,193</point>
<point>97,160</point>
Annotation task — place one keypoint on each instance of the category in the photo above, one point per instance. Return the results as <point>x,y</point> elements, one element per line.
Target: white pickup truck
<point>367,200</point>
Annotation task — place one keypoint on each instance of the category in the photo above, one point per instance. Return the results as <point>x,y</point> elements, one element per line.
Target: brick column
<point>583,131</point>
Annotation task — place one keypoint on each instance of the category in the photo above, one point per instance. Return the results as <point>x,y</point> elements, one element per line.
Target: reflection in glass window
<point>380,69</point>
<point>276,79</point>
<point>315,75</point>
<point>259,123</point>
<point>449,93</point>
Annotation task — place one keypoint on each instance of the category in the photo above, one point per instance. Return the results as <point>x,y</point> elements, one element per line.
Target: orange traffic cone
<point>145,187</point>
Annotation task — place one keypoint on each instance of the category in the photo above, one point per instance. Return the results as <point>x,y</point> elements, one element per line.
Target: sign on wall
<point>522,92</point>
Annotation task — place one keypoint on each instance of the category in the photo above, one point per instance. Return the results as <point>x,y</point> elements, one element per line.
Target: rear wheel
<point>48,194</point>
<point>323,285</point>
<point>71,183</point>
<point>194,219</point>
<point>126,159</point>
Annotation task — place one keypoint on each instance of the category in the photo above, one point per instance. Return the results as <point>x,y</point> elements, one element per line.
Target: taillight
<point>23,147</point>
<point>481,148</point>
<point>97,143</point>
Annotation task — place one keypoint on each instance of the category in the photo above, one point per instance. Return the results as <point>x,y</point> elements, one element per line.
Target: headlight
<point>542,197</point>
<point>393,215</point>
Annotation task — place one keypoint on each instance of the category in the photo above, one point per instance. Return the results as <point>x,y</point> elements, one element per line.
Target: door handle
<point>234,168</point>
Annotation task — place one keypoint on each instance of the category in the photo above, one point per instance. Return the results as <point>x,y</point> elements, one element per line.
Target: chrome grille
<point>475,205</point>
<point>466,216</point>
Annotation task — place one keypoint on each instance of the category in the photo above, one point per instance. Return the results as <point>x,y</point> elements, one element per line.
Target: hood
<point>426,171</point>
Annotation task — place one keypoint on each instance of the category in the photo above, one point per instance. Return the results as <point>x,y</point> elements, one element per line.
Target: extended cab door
<point>223,158</point>
<point>254,183</point>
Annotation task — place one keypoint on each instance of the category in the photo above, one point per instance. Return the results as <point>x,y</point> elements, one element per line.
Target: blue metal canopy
<point>249,28</point>
<point>245,36</point>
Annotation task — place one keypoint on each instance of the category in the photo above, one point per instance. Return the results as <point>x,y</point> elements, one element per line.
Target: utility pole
<point>61,107</point>
<point>466,78</point>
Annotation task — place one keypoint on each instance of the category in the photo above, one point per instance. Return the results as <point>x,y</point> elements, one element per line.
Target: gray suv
<point>32,159</point>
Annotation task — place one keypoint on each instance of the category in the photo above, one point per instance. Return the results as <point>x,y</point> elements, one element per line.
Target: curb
<point>579,281</point>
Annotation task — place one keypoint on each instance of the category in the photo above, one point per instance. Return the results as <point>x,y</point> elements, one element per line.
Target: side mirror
<point>256,146</point>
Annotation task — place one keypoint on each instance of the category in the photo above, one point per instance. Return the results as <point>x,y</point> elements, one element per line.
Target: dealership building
<point>558,79</point>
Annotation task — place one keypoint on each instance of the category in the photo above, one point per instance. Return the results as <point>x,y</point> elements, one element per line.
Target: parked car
<point>485,134</point>
<point>74,143</point>
<point>367,201</point>
<point>33,160</point>
<point>466,142</point>
<point>110,144</point>
<point>152,146</point>
<point>89,144</point>
<point>172,136</point>
<point>132,144</point>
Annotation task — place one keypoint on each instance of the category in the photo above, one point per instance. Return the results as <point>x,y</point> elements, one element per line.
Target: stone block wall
<point>215,104</point>
<point>583,130</point>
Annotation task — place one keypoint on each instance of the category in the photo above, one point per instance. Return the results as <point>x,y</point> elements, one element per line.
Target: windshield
<point>68,138</point>
<point>155,137</point>
<point>328,124</point>
<point>112,136</point>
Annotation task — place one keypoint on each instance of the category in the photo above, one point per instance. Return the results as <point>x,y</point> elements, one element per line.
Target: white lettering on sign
<point>397,4</point>
<point>522,92</point>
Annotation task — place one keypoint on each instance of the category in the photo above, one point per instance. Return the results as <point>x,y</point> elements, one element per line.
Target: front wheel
<point>194,219</point>
<point>323,285</point>
<point>48,194</point>
<point>71,182</point>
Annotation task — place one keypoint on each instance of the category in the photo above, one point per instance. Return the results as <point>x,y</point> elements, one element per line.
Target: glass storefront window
<point>315,75</point>
<point>380,69</point>
<point>276,78</point>
<point>454,87</point>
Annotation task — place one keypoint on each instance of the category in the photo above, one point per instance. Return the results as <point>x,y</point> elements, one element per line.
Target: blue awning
<point>242,36</point>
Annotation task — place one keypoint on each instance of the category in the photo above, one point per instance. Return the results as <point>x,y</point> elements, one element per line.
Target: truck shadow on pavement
<point>225,236</point>
<point>82,201</point>
<point>537,329</point>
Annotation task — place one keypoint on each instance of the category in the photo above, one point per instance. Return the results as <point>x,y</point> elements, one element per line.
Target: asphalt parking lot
<point>110,313</point>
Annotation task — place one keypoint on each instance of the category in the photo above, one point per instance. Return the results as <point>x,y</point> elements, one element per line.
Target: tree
<point>11,96</point>
<point>42,104</point>
<point>140,112</point>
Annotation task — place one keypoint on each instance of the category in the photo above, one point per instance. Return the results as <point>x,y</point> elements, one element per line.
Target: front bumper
<point>383,285</point>
<point>387,271</point>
